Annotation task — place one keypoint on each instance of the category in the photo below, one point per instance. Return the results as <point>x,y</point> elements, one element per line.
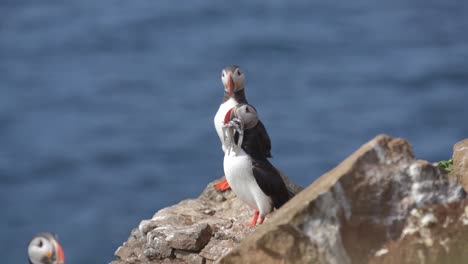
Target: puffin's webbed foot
<point>254,219</point>
<point>260,220</point>
<point>222,186</point>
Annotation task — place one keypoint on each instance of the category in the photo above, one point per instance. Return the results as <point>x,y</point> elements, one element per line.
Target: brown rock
<point>189,257</point>
<point>157,246</point>
<point>177,233</point>
<point>444,241</point>
<point>350,211</point>
<point>192,238</point>
<point>380,205</point>
<point>460,162</point>
<point>282,245</point>
<point>131,254</point>
<point>217,248</point>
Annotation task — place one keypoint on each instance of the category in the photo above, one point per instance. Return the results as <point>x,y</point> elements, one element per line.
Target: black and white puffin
<point>249,173</point>
<point>45,249</point>
<point>234,93</point>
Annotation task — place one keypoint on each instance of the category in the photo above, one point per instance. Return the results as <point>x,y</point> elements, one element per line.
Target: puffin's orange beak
<point>48,254</point>
<point>230,84</point>
<point>227,117</point>
<point>60,255</point>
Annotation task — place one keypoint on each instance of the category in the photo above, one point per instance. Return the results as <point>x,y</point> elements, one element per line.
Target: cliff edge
<point>380,205</point>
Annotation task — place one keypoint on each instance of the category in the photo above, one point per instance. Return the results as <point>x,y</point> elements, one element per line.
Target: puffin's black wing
<point>264,139</point>
<point>256,142</point>
<point>270,182</point>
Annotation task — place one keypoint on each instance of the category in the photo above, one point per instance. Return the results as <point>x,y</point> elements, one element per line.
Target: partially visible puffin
<point>45,249</point>
<point>249,173</point>
<point>234,93</point>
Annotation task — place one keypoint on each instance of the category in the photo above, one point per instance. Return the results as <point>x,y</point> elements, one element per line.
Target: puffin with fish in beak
<point>248,171</point>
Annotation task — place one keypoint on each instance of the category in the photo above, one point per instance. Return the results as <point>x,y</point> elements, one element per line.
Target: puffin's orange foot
<point>254,219</point>
<point>222,186</point>
<point>260,220</point>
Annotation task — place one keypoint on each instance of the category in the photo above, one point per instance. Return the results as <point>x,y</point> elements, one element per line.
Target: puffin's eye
<point>223,75</point>
<point>238,73</point>
<point>40,243</point>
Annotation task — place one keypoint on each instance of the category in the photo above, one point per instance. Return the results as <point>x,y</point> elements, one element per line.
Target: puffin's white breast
<point>219,118</point>
<point>239,174</point>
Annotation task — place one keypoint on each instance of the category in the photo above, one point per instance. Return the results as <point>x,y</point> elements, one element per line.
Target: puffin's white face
<point>233,79</point>
<point>247,115</point>
<point>43,248</point>
<point>40,248</point>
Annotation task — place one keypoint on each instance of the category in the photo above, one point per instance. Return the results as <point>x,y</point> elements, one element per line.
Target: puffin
<point>233,80</point>
<point>248,171</point>
<point>45,249</point>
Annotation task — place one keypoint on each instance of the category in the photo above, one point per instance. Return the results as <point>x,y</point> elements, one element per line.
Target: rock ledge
<point>376,206</point>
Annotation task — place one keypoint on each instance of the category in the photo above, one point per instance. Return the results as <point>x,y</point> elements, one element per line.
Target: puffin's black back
<point>256,142</point>
<point>270,181</point>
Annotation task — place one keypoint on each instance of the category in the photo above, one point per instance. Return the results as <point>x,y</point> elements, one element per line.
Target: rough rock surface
<point>433,235</point>
<point>351,212</point>
<point>376,206</point>
<point>194,231</point>
<point>460,162</point>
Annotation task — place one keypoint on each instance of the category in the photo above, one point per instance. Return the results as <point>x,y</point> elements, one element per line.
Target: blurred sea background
<point>106,107</point>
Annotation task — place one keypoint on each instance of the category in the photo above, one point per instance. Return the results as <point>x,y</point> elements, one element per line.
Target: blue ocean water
<point>106,106</point>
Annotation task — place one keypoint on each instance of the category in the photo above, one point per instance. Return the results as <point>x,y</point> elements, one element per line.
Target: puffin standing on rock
<point>234,94</point>
<point>45,249</point>
<point>249,173</point>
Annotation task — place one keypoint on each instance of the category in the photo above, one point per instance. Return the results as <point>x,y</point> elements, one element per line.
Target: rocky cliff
<point>380,205</point>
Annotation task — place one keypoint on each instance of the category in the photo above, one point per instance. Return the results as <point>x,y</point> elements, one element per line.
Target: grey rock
<point>192,238</point>
<point>189,257</point>
<point>217,248</point>
<point>132,250</point>
<point>147,225</point>
<point>443,241</point>
<point>157,246</point>
<point>177,233</point>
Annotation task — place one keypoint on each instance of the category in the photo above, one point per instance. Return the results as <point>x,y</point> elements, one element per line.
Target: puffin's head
<point>45,249</point>
<point>247,114</point>
<point>233,79</point>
